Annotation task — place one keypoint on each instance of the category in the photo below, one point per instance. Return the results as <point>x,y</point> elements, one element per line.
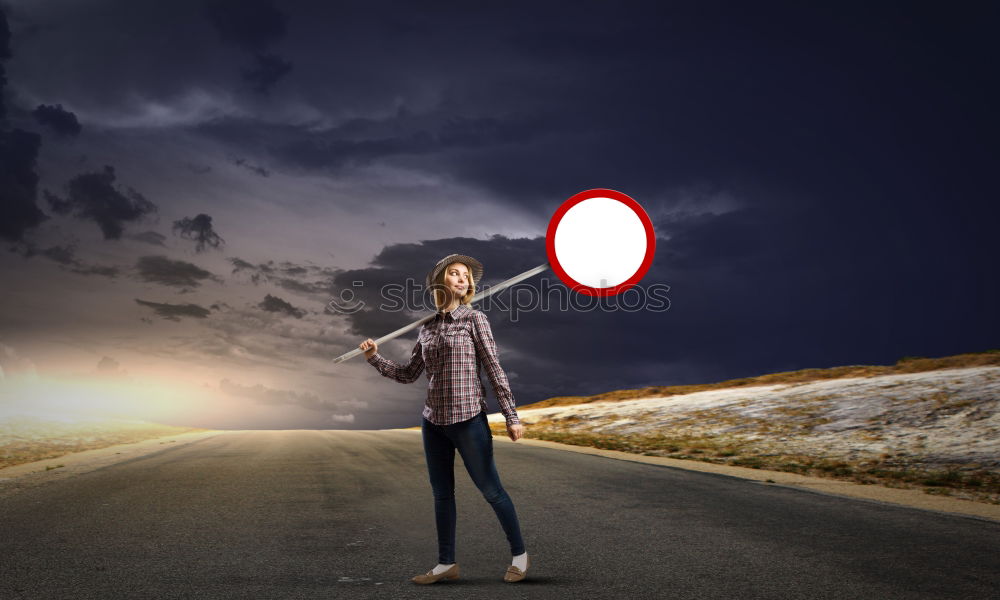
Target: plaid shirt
<point>452,347</point>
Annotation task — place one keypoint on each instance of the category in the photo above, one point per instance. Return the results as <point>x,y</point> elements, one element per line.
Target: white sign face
<point>600,242</point>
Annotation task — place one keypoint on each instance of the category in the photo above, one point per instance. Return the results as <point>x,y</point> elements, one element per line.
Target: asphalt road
<point>343,514</point>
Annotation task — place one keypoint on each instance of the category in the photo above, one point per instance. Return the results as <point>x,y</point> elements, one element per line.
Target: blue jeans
<point>474,442</point>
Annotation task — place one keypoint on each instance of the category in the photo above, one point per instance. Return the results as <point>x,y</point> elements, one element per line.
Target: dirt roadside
<point>27,475</point>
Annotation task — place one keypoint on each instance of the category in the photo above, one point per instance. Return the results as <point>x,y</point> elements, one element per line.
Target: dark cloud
<point>18,183</point>
<point>175,273</point>
<point>109,367</point>
<point>198,169</point>
<point>107,364</point>
<point>267,70</point>
<point>360,142</point>
<point>59,120</point>
<point>407,265</point>
<point>4,35</point>
<point>301,279</point>
<point>647,98</point>
<point>65,256</point>
<point>295,270</point>
<point>258,273</point>
<point>4,56</point>
<point>199,229</point>
<point>104,271</point>
<point>249,336</point>
<point>174,312</point>
<point>276,304</point>
<point>305,288</point>
<point>94,197</point>
<point>149,237</point>
<point>255,169</point>
<point>62,254</point>
<point>57,204</point>
<point>253,25</point>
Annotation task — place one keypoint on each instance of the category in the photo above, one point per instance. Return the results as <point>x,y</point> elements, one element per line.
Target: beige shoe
<point>430,577</point>
<point>515,574</point>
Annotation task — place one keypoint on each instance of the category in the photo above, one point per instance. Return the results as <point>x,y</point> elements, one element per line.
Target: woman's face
<point>456,279</point>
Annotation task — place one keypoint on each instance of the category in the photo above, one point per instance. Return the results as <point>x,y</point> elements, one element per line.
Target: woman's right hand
<point>369,346</point>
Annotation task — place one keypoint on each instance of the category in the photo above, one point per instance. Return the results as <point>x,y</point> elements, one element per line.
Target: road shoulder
<point>906,497</point>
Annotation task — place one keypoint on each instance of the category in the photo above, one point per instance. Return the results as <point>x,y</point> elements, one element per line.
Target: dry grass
<point>28,441</point>
<point>961,481</point>
<point>907,364</point>
<point>778,435</point>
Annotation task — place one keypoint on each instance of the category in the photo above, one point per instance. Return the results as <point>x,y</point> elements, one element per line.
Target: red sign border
<point>550,242</point>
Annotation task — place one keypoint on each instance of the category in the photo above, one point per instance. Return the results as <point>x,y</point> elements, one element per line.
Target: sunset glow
<point>74,399</point>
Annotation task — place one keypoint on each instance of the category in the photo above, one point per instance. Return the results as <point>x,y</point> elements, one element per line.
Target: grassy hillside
<point>907,364</point>
<point>932,424</point>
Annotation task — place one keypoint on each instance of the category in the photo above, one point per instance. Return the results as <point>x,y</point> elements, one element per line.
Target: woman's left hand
<point>515,431</point>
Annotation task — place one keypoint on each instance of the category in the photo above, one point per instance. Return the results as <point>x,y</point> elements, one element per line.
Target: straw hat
<point>474,265</point>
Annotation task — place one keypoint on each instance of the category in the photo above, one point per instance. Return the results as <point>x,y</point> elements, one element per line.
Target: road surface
<point>349,514</point>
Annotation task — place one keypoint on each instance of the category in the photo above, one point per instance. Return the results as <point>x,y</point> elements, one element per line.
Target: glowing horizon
<point>74,398</point>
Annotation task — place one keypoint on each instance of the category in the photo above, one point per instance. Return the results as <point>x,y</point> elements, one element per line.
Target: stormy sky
<point>186,186</point>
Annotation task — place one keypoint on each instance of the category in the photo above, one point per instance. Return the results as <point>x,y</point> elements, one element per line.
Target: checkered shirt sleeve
<point>487,355</point>
<point>407,373</point>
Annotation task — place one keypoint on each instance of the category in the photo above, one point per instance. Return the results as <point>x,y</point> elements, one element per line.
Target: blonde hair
<point>438,287</point>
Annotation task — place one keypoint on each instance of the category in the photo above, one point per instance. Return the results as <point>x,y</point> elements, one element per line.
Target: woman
<point>452,347</point>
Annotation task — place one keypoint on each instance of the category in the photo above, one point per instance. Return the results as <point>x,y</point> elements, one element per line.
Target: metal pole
<point>484,294</point>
